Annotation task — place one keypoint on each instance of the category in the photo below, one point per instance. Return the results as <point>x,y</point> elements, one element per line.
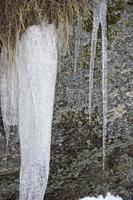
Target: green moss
<point>85,52</point>
<point>87,25</point>
<point>114,12</point>
<point>84,65</point>
<point>112,159</point>
<point>114,15</point>
<point>85,57</point>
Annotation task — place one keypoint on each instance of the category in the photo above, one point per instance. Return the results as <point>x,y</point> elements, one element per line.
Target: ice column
<point>37,68</point>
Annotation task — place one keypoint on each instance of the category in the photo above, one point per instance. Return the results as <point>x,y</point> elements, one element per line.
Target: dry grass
<point>17,15</point>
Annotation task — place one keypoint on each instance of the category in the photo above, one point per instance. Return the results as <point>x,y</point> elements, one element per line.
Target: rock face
<point>76,151</point>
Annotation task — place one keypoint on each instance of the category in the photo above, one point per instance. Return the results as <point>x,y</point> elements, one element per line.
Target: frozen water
<point>37,66</point>
<point>96,21</point>
<point>99,17</point>
<point>103,10</point>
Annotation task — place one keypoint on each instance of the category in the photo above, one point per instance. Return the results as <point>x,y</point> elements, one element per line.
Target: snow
<point>108,197</point>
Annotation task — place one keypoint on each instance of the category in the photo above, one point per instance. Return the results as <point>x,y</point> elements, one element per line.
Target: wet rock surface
<point>76,150</point>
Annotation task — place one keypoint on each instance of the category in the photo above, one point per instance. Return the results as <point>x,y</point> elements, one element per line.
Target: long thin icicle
<point>103,10</point>
<point>99,17</point>
<point>96,21</point>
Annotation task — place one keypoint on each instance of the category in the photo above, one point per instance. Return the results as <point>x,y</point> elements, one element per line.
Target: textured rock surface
<point>76,154</point>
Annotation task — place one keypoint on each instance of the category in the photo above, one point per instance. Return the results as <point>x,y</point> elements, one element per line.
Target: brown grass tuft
<point>17,15</point>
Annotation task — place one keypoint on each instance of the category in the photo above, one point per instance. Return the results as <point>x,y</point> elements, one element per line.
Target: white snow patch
<point>100,197</point>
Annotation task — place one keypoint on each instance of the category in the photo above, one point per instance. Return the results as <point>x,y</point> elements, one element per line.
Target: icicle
<point>96,21</point>
<point>37,66</point>
<point>103,10</point>
<point>99,17</point>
